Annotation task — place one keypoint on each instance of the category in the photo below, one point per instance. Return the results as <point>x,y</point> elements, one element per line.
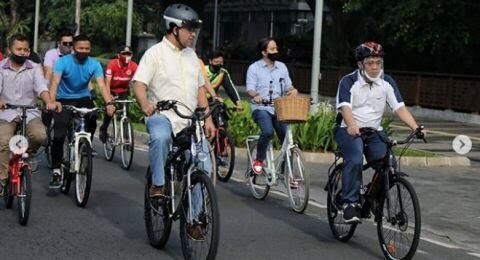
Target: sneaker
<point>156,191</point>
<point>103,135</point>
<point>350,213</point>
<point>195,232</point>
<point>257,167</point>
<point>94,152</point>
<point>3,187</point>
<point>56,181</point>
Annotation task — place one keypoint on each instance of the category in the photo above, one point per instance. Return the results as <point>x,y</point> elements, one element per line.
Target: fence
<point>432,90</point>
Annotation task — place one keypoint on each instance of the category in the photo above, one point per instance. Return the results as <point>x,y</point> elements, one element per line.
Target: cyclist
<point>21,82</point>
<point>265,75</point>
<point>69,85</point>
<point>118,74</point>
<point>361,99</point>
<point>219,76</point>
<point>170,70</point>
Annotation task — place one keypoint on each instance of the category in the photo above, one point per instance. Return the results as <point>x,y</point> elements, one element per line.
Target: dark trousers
<point>267,123</point>
<point>62,123</point>
<point>106,118</point>
<point>353,149</point>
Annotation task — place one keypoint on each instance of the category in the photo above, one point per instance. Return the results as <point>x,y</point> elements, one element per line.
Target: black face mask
<point>81,56</point>
<point>273,56</point>
<point>18,59</point>
<point>216,68</point>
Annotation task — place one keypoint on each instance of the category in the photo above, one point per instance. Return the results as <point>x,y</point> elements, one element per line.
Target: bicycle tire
<point>388,247</point>
<point>258,183</point>
<point>225,145</point>
<point>207,223</point>
<point>83,178</point>
<point>127,149</point>
<point>298,201</point>
<point>25,197</point>
<point>341,231</point>
<point>48,147</point>
<point>154,208</point>
<point>109,145</point>
<point>9,193</point>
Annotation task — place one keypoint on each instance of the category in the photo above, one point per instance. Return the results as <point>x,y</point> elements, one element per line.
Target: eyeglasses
<point>69,44</point>
<point>126,53</point>
<point>374,62</point>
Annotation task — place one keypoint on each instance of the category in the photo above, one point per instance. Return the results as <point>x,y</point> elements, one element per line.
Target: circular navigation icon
<point>462,144</point>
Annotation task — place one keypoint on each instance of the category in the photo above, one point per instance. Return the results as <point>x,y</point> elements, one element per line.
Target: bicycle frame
<point>79,135</point>
<point>119,135</point>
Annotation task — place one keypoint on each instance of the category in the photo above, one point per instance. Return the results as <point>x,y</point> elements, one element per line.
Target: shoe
<point>56,181</point>
<point>257,167</point>
<point>103,135</point>
<point>293,184</point>
<point>350,213</point>
<point>3,187</point>
<point>156,191</point>
<point>195,232</point>
<point>94,152</point>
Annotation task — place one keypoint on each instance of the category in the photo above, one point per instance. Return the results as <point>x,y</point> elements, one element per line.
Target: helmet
<point>125,49</point>
<point>368,49</point>
<point>181,15</point>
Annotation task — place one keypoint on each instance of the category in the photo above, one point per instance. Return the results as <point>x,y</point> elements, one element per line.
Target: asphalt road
<point>112,226</point>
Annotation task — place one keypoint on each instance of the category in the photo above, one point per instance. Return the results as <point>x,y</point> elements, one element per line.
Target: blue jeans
<point>353,149</point>
<point>267,123</point>
<point>160,130</point>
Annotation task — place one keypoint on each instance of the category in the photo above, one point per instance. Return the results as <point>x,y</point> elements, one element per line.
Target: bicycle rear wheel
<point>9,193</point>
<point>258,182</point>
<point>127,146</point>
<point>297,182</point>
<point>109,145</point>
<point>157,220</point>
<point>225,155</point>
<point>83,178</point>
<point>48,147</point>
<point>205,217</point>
<point>399,235</point>
<point>24,197</point>
<point>341,231</point>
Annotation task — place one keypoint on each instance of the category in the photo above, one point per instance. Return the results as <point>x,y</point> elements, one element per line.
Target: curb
<point>327,158</point>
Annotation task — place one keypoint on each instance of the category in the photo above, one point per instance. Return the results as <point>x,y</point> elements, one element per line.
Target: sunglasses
<point>69,44</point>
<point>126,53</point>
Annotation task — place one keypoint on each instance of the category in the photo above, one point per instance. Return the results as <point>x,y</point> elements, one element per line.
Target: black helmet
<point>181,15</point>
<point>368,49</point>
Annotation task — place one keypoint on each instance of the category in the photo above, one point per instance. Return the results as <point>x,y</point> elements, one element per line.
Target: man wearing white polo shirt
<point>361,100</point>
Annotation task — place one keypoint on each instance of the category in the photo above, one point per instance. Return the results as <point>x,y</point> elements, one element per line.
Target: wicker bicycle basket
<point>292,110</point>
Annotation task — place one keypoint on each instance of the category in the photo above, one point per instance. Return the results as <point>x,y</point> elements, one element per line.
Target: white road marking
<point>474,254</point>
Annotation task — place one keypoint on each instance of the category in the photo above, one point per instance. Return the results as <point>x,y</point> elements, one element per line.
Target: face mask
<point>125,59</point>
<point>273,56</point>
<point>216,68</point>
<point>81,56</point>
<point>18,59</point>
<point>64,50</point>
<point>371,79</point>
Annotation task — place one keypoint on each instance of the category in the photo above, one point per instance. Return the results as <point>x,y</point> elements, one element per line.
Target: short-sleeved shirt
<point>20,87</point>
<point>51,56</point>
<point>260,78</point>
<point>121,75</point>
<point>367,101</point>
<point>75,76</point>
<point>171,74</point>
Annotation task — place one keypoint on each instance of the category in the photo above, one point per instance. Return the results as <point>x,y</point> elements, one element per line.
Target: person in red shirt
<point>118,74</point>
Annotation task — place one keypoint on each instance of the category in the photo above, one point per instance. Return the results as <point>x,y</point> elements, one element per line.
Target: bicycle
<point>48,143</point>
<point>183,178</point>
<point>289,160</point>
<point>77,156</point>
<point>223,144</point>
<point>125,139</point>
<point>19,183</point>
<point>383,197</point>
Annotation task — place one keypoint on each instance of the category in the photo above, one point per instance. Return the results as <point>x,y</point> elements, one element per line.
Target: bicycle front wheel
<point>48,147</point>
<point>24,197</point>
<point>225,155</point>
<point>157,220</point>
<point>341,231</point>
<point>127,147</point>
<point>83,178</point>
<point>258,183</point>
<point>109,145</point>
<point>297,182</point>
<point>200,230</point>
<point>67,176</point>
<point>400,226</point>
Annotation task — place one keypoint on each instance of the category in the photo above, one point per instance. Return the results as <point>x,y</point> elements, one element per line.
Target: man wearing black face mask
<point>69,85</point>
<point>219,76</point>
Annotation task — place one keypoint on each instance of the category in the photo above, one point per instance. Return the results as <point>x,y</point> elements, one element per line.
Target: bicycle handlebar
<point>11,106</point>
<point>417,133</point>
<point>173,104</point>
<point>81,110</point>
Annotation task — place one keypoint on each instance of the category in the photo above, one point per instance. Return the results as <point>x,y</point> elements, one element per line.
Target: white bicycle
<point>77,156</point>
<point>287,166</point>
<point>120,133</point>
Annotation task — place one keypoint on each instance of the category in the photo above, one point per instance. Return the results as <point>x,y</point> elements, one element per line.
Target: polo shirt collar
<point>8,65</point>
<point>363,83</point>
<point>265,65</point>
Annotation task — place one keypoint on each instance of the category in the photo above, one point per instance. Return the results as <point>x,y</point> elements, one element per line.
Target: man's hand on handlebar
<point>148,109</point>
